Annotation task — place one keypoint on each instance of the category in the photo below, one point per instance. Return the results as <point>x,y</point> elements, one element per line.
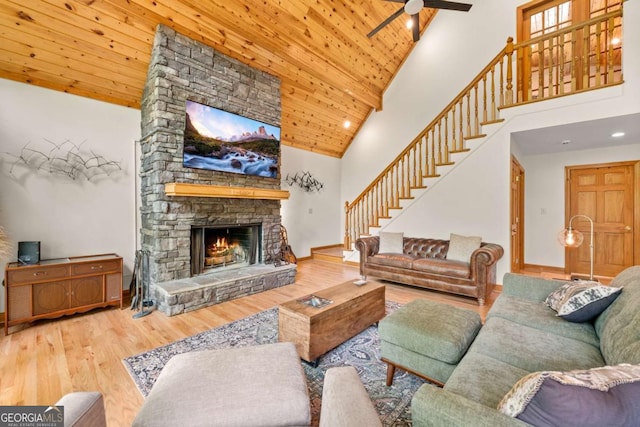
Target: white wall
<point>69,217</point>
<point>474,197</point>
<point>544,197</point>
<point>311,219</point>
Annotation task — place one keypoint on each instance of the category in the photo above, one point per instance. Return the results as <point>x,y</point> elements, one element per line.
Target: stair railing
<point>579,57</point>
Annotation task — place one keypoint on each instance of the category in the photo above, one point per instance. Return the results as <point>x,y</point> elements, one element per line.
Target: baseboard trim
<point>318,248</point>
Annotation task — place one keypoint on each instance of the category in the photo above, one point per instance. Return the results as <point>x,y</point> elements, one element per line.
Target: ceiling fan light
<point>413,6</point>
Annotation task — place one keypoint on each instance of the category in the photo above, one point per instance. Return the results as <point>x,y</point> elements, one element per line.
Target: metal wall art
<point>304,180</point>
<point>66,159</point>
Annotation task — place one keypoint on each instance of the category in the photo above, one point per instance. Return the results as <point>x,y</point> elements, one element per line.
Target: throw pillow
<point>461,247</point>
<point>588,304</point>
<point>604,396</point>
<point>391,243</point>
<point>558,297</point>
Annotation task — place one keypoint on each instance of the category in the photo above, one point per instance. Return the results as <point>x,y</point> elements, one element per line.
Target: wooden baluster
<point>508,95</point>
<point>585,56</point>
<point>484,99</point>
<point>610,64</point>
<point>420,170</point>
<point>476,118</point>
<point>551,66</point>
<point>493,94</point>
<point>530,79</point>
<point>397,166</point>
<point>460,125</point>
<point>433,152</point>
<point>447,156</point>
<point>440,157</point>
<point>574,61</point>
<point>561,45</point>
<point>454,143</point>
<point>414,180</point>
<point>540,70</point>
<point>406,176</point>
<point>469,114</point>
<point>501,79</point>
<point>598,48</point>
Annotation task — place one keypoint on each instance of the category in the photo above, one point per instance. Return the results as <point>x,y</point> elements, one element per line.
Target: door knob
<point>627,228</point>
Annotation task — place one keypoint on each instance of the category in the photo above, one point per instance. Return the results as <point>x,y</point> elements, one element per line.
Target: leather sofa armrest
<point>487,254</point>
<point>367,246</point>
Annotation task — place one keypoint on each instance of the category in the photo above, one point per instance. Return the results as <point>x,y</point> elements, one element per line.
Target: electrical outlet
<point>310,210</point>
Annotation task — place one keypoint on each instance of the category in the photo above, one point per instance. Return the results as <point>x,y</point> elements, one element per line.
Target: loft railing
<point>577,58</point>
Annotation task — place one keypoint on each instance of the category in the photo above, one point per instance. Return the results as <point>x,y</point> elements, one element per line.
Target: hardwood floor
<point>42,361</point>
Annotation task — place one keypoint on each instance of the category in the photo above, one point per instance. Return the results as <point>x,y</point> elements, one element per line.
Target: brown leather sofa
<point>423,263</point>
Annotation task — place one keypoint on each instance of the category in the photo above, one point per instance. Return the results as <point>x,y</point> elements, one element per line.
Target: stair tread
<point>482,135</point>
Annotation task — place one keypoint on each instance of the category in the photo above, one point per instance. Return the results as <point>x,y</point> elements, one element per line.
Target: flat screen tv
<point>220,141</point>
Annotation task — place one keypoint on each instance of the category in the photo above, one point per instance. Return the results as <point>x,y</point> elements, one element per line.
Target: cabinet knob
<point>40,273</point>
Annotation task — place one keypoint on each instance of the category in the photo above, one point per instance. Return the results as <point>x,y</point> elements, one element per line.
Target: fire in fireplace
<point>215,248</point>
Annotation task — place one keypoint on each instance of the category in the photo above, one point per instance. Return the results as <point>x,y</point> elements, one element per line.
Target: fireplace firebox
<point>215,248</point>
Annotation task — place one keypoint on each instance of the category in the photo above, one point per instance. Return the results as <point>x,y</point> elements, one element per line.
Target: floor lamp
<point>571,238</point>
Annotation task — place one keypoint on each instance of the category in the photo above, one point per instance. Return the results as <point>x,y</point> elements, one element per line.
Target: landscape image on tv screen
<point>221,141</point>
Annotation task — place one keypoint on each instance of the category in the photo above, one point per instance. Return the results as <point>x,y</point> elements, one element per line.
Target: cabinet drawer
<point>35,274</point>
<point>95,267</point>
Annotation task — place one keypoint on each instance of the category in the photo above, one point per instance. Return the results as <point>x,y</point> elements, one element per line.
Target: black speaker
<point>28,252</point>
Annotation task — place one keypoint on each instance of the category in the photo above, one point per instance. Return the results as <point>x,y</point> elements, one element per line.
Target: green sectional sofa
<point>522,335</point>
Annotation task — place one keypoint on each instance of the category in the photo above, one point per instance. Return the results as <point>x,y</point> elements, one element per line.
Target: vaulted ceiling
<point>330,71</point>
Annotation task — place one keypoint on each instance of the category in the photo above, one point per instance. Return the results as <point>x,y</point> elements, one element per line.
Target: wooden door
<point>86,291</point>
<point>605,193</point>
<point>50,297</point>
<point>517,216</point>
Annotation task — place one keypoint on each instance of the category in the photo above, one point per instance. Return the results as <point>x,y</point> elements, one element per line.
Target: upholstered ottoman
<point>250,386</point>
<point>427,338</point>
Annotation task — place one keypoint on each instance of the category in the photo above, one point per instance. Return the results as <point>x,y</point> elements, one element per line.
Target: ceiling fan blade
<point>415,27</point>
<point>448,5</point>
<point>397,1</point>
<point>386,21</point>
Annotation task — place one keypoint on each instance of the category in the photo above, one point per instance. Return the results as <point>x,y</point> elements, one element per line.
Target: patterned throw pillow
<point>461,247</point>
<point>391,243</point>
<point>604,396</point>
<point>558,297</point>
<point>586,305</point>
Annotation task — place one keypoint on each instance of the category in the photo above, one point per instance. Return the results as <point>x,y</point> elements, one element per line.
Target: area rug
<point>362,351</point>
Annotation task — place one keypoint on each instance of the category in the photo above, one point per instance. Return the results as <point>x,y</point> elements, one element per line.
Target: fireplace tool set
<point>140,301</point>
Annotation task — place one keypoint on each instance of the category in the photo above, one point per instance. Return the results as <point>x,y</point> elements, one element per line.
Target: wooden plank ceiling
<point>330,70</point>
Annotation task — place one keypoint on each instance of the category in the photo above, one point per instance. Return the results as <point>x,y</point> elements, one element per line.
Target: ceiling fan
<point>413,8</point>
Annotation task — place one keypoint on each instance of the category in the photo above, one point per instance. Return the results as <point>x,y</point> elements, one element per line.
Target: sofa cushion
<point>392,260</point>
<point>533,349</point>
<point>619,325</point>
<point>483,378</point>
<point>603,396</point>
<point>537,315</point>
<point>558,297</point>
<point>588,304</point>
<point>461,247</point>
<point>445,267</point>
<point>391,242</point>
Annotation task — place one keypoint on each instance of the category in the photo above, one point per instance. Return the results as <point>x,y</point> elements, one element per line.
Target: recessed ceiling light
<point>615,41</point>
<point>346,124</point>
<point>410,23</point>
<point>617,134</point>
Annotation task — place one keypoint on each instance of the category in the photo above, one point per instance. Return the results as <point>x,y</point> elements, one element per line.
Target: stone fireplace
<point>177,229</point>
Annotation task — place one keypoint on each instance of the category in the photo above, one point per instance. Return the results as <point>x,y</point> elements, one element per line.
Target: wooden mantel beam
<point>202,190</point>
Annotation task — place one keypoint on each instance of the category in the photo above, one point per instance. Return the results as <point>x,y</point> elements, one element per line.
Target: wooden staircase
<point>547,67</point>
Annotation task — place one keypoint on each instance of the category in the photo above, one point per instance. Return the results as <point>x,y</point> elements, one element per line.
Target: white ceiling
<point>581,136</point>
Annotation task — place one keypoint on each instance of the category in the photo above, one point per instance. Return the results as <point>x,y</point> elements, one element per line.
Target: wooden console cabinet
<point>58,287</point>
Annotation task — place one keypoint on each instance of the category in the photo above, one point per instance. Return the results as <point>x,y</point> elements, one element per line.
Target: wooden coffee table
<point>315,330</point>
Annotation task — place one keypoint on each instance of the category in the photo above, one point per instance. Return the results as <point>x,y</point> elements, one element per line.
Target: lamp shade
<point>570,237</point>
